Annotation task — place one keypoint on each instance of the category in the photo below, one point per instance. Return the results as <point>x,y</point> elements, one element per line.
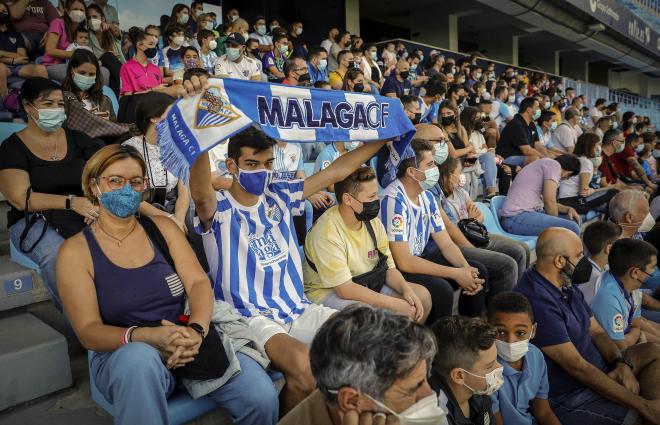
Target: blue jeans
<point>585,407</point>
<point>489,176</point>
<point>44,253</point>
<point>311,150</point>
<point>533,223</point>
<point>134,379</point>
<point>515,160</point>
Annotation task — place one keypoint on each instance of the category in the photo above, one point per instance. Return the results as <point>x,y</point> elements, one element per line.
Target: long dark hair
<point>175,11</point>
<point>80,57</point>
<point>351,74</point>
<point>446,169</point>
<point>107,40</point>
<point>69,25</point>
<point>468,119</point>
<point>151,105</point>
<point>9,24</point>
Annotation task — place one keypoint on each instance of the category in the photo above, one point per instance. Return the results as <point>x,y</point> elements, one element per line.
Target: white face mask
<point>512,351</point>
<point>95,24</point>
<point>425,412</point>
<point>213,44</point>
<point>77,16</point>
<point>494,380</point>
<point>179,40</point>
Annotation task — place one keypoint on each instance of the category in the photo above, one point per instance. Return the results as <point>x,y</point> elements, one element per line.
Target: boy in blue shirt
<point>617,304</point>
<point>523,398</point>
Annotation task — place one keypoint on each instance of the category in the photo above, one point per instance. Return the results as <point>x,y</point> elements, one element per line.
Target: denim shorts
<point>585,407</point>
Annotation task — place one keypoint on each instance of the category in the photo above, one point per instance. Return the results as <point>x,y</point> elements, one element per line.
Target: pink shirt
<point>56,27</point>
<point>137,78</point>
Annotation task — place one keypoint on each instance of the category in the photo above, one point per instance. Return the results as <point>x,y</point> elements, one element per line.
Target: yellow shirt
<point>557,112</point>
<point>336,79</point>
<point>340,253</point>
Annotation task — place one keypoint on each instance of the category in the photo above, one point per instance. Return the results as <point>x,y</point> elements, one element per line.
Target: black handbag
<point>211,362</point>
<point>474,231</point>
<point>373,279</point>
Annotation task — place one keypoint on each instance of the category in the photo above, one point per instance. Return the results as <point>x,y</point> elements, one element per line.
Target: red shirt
<point>621,161</point>
<point>289,83</point>
<point>608,171</point>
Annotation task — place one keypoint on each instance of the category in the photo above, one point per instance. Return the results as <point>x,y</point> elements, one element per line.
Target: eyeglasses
<point>139,184</point>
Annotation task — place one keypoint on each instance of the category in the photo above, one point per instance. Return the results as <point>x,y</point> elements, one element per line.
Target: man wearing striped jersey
<point>421,247</point>
<point>253,252</point>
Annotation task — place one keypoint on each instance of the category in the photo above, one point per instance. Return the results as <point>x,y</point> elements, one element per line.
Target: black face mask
<point>4,18</point>
<point>404,74</point>
<point>461,99</point>
<point>447,121</point>
<point>417,119</point>
<point>255,52</point>
<point>151,52</point>
<point>478,124</point>
<point>358,88</point>
<point>351,64</point>
<point>370,211</point>
<point>305,80</point>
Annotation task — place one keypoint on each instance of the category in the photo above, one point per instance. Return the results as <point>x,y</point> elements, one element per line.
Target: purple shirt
<point>56,27</point>
<point>526,192</point>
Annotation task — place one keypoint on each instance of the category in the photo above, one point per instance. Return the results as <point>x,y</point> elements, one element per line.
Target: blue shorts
<point>15,69</point>
<point>585,407</point>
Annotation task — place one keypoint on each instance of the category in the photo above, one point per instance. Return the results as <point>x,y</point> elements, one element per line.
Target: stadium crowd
<point>201,283</point>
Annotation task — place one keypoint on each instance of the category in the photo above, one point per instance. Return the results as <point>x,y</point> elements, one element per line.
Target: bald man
<point>591,381</point>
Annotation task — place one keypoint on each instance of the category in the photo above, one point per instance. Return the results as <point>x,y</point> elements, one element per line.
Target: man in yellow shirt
<point>348,255</point>
<point>336,77</point>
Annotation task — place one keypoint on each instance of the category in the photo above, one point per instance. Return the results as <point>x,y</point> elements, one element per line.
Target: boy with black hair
<point>523,398</point>
<point>253,252</point>
<point>617,305</point>
<point>465,369</point>
<point>173,54</point>
<point>597,239</point>
<point>207,45</point>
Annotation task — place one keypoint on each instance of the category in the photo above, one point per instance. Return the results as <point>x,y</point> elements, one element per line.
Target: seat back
<point>496,203</point>
<point>8,128</point>
<point>489,220</point>
<point>113,98</point>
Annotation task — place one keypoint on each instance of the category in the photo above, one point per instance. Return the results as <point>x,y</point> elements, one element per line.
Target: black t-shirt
<point>11,41</point>
<point>54,177</point>
<point>481,411</point>
<point>516,133</point>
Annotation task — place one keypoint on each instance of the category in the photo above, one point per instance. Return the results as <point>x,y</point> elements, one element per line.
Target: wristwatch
<point>197,328</point>
<point>67,205</point>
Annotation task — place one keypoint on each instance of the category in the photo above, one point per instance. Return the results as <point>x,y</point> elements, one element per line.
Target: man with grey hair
<point>630,210</point>
<point>371,366</point>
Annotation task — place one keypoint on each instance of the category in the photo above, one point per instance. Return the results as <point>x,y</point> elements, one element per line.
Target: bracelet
<point>130,333</point>
<point>125,339</point>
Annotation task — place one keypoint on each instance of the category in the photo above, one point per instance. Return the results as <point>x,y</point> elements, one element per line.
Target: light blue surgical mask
<point>432,175</point>
<point>323,64</point>
<point>656,153</point>
<point>553,126</point>
<point>121,203</point>
<point>254,181</point>
<point>615,125</point>
<point>83,82</point>
<point>440,152</point>
<point>283,49</point>
<point>50,120</point>
<point>261,29</point>
<point>349,146</point>
<point>537,114</point>
<point>233,53</point>
<point>639,148</point>
<point>374,56</point>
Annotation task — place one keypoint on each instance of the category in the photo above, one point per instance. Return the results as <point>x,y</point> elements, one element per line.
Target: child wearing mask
<point>466,371</point>
<point>523,398</point>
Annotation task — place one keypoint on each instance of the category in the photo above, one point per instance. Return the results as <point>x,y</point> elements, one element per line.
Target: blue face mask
<point>256,181</point>
<point>537,114</point>
<point>83,82</point>
<point>121,203</point>
<point>440,152</point>
<point>50,120</point>
<point>432,175</point>
<point>639,148</point>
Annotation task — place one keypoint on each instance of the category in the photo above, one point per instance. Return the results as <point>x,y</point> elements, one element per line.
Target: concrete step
<point>34,360</point>
<point>19,286</point>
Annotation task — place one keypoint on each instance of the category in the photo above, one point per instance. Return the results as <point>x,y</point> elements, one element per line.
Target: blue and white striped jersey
<point>288,160</point>
<point>408,222</point>
<point>253,253</point>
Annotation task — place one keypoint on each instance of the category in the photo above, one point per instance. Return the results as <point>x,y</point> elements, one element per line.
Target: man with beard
<point>591,380</point>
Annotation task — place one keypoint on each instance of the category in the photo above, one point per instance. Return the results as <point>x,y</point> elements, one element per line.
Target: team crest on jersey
<point>214,109</point>
<point>274,213</point>
<point>618,324</point>
<point>397,223</point>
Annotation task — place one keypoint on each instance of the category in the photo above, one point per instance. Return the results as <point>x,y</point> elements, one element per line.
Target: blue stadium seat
<point>494,228</point>
<point>113,98</point>
<point>181,408</point>
<point>495,205</point>
<point>8,128</point>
